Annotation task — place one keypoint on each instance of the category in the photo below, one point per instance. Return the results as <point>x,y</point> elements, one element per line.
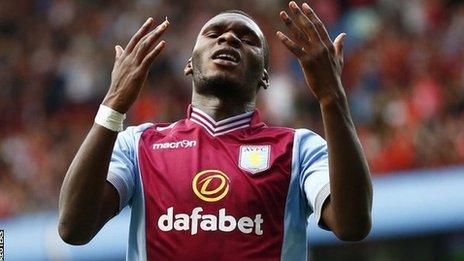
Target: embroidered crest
<point>254,158</point>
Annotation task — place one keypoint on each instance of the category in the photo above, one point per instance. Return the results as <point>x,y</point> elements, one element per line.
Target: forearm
<point>81,196</point>
<point>350,184</point>
<point>87,201</point>
<point>347,212</point>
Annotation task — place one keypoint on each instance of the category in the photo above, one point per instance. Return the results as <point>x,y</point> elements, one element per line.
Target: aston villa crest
<point>254,158</point>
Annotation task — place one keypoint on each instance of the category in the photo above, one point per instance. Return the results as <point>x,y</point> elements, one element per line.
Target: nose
<point>230,38</point>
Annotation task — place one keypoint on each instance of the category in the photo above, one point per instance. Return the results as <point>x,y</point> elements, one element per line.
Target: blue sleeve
<point>123,169</point>
<point>314,170</point>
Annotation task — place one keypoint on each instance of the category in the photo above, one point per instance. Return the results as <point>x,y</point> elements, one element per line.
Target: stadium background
<point>404,76</point>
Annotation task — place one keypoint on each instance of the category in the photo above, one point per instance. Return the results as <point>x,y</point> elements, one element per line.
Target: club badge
<point>254,158</point>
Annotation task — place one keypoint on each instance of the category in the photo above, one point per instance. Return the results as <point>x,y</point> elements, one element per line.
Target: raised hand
<point>131,65</point>
<point>320,58</point>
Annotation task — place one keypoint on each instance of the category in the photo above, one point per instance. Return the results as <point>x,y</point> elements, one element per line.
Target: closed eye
<point>212,35</point>
<point>248,41</point>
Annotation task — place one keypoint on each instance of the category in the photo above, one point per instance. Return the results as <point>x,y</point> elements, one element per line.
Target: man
<point>220,184</point>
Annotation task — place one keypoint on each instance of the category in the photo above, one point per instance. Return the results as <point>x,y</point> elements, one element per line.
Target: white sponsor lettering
<point>208,222</point>
<point>175,145</point>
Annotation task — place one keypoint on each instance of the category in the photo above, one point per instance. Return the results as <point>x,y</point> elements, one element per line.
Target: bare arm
<point>87,200</point>
<point>348,211</point>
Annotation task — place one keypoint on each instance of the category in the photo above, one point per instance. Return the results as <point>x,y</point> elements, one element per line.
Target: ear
<point>188,70</point>
<point>264,81</point>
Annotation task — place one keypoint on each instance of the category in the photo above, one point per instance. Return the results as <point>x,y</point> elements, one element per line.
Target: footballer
<point>220,184</point>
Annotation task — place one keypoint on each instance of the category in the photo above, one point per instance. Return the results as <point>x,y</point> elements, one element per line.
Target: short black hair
<point>265,44</point>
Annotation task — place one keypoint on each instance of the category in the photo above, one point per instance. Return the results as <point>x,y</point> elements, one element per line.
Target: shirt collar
<point>224,126</point>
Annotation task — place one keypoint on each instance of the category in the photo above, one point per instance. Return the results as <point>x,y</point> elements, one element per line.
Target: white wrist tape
<point>110,118</point>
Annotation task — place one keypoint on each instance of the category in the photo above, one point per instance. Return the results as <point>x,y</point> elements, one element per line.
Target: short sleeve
<point>314,171</point>
<point>123,168</point>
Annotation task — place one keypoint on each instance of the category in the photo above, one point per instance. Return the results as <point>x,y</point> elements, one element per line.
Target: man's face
<point>229,52</point>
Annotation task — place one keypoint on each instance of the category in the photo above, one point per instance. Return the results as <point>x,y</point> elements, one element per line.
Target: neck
<point>219,109</point>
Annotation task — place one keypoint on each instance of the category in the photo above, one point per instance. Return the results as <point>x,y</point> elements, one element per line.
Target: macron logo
<point>175,145</point>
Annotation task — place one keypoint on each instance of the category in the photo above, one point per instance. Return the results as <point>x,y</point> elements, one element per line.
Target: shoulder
<point>131,132</point>
<point>157,127</point>
<point>138,128</point>
<point>299,134</point>
<point>309,145</point>
<point>305,135</point>
<point>134,132</point>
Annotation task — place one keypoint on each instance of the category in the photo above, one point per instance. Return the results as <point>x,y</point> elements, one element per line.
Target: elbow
<point>353,236</point>
<point>72,236</point>
<point>355,232</point>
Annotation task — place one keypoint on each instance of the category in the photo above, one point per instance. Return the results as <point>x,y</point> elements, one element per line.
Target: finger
<point>303,22</point>
<point>118,50</point>
<point>139,34</point>
<point>338,45</point>
<point>300,37</point>
<point>146,44</point>
<point>148,60</point>
<point>291,45</point>
<point>308,11</point>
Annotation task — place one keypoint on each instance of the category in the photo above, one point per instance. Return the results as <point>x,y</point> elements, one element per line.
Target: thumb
<point>338,44</point>
<point>118,50</point>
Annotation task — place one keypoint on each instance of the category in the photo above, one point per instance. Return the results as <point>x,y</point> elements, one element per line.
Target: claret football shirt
<point>234,189</point>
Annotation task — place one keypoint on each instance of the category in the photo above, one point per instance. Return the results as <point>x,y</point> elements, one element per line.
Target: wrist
<point>332,96</point>
<point>336,106</point>
<point>110,118</point>
<point>114,103</point>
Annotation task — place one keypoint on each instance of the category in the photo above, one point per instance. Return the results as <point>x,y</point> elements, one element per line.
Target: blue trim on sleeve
<point>309,184</point>
<point>315,173</point>
<point>123,169</point>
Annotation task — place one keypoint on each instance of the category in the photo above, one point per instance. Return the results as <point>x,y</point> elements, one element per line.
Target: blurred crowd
<point>403,74</point>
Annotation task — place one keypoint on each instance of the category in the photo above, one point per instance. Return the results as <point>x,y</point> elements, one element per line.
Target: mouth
<point>226,57</point>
